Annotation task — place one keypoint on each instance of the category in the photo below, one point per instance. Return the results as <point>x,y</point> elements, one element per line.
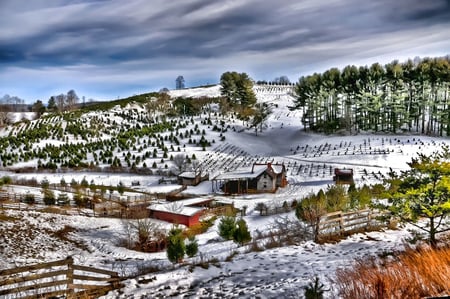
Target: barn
<point>186,212</point>
<point>260,178</point>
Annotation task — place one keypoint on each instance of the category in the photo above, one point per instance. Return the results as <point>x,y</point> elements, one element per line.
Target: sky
<point>109,49</point>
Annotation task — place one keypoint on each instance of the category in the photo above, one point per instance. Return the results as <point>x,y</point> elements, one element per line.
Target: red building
<point>185,215</point>
<point>186,212</point>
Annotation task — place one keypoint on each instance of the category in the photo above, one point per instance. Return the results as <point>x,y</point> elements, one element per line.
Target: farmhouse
<point>266,177</point>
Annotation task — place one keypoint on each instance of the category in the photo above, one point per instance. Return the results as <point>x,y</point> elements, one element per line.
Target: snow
<point>234,272</point>
<point>175,208</point>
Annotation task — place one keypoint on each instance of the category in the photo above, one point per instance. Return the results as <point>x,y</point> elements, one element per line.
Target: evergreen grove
<point>413,96</point>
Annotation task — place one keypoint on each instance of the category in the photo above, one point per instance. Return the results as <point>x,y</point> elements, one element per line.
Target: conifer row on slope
<point>412,97</point>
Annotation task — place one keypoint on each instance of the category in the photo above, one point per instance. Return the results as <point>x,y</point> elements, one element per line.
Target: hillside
<point>139,142</point>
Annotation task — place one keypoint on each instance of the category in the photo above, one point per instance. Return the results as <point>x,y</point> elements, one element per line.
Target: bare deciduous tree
<point>140,233</point>
<point>180,162</point>
<point>60,99</point>
<point>71,100</point>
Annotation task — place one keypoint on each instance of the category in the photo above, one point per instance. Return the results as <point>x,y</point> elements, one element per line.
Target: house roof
<point>241,174</point>
<point>175,208</point>
<point>188,175</point>
<point>344,171</point>
<point>194,201</point>
<point>277,168</point>
<point>258,169</point>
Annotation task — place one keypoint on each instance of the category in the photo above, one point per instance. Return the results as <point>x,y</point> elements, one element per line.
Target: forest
<point>409,97</point>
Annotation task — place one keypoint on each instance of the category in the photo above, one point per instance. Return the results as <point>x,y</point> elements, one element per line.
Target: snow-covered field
<point>29,236</point>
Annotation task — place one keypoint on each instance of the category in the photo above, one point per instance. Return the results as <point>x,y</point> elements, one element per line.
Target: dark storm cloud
<point>202,38</point>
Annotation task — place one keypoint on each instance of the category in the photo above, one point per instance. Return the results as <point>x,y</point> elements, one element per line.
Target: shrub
<point>191,247</point>
<point>49,197</point>
<point>79,200</point>
<point>227,226</point>
<point>63,199</point>
<point>415,273</point>
<point>175,246</point>
<point>314,290</point>
<point>241,234</point>
<point>29,198</point>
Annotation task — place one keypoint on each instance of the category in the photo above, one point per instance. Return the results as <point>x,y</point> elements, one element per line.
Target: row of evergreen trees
<point>413,96</point>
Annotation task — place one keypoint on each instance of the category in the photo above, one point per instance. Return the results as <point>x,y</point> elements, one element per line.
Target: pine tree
<point>192,247</point>
<point>175,246</point>
<point>227,226</point>
<point>49,197</point>
<point>241,234</point>
<point>423,191</point>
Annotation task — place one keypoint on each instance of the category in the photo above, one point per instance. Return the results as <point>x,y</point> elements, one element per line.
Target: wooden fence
<point>339,223</point>
<point>59,278</point>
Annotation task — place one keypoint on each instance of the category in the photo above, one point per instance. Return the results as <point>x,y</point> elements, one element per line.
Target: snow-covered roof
<point>344,171</point>
<point>277,168</point>
<point>242,174</point>
<point>194,201</point>
<point>258,169</point>
<point>188,175</point>
<point>173,208</point>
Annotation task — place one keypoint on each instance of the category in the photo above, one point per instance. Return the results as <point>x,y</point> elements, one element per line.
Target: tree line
<point>396,97</point>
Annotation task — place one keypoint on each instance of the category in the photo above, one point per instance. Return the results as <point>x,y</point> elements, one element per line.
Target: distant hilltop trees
<point>413,96</point>
<point>283,80</point>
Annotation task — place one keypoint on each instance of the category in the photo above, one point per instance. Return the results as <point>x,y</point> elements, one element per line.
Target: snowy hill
<point>130,137</point>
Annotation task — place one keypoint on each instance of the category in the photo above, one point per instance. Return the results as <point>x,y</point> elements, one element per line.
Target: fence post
<point>70,290</point>
<point>341,223</point>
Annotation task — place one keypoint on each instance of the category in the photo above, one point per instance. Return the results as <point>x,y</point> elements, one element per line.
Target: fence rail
<point>58,278</point>
<point>338,223</point>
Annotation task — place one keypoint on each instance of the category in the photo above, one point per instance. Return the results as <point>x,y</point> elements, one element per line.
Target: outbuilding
<point>343,176</point>
<point>176,213</point>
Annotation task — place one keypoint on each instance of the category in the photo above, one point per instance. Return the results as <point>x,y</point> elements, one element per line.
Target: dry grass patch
<point>415,273</point>
<point>4,217</point>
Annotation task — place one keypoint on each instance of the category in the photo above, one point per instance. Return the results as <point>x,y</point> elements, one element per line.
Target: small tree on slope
<point>241,234</point>
<point>175,246</point>
<point>227,226</point>
<point>192,247</point>
<point>423,191</point>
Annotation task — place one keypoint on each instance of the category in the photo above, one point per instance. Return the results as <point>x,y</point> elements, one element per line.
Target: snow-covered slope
<point>273,273</point>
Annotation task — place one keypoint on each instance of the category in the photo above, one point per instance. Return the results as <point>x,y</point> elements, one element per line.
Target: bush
<point>63,199</point>
<point>175,246</point>
<point>416,273</point>
<point>29,198</point>
<point>49,197</point>
<point>227,226</point>
<point>201,227</point>
<point>191,247</point>
<point>241,234</point>
<point>314,290</point>
<point>79,200</point>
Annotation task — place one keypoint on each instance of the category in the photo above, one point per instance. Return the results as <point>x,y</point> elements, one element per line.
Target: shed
<point>343,176</point>
<point>191,178</point>
<point>176,213</point>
